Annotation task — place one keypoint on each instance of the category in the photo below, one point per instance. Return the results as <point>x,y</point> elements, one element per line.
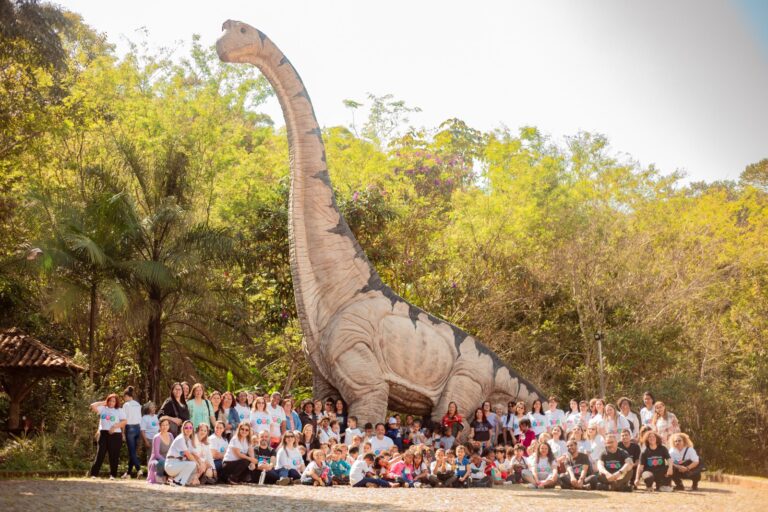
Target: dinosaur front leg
<point>370,404</point>
<point>465,391</point>
<point>321,388</point>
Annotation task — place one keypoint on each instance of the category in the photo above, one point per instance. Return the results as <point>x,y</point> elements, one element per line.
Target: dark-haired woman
<point>538,420</point>
<point>227,414</point>
<point>480,431</point>
<point>132,411</point>
<point>646,413</point>
<point>655,464</point>
<point>340,408</point>
<point>175,408</point>
<point>161,443</point>
<point>111,423</point>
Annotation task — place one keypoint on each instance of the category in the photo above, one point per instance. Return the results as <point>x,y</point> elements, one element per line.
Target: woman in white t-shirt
<point>625,411</point>
<point>646,413</point>
<point>557,444</point>
<point>260,419</point>
<point>572,418</point>
<point>584,414</point>
<point>290,462</point>
<point>613,422</point>
<point>664,422</point>
<point>206,469</point>
<point>538,420</point>
<point>577,434</point>
<point>239,458</point>
<point>596,445</point>
<point>182,460</point>
<point>111,423</point>
<point>132,410</point>
<point>685,461</point>
<point>217,444</point>
<point>542,471</point>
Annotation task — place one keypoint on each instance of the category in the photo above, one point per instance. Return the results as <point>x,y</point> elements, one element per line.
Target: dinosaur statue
<point>363,342</point>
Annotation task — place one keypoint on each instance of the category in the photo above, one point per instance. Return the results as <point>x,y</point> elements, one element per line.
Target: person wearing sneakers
<point>655,464</point>
<point>265,472</point>
<point>132,411</point>
<point>111,423</point>
<point>685,462</point>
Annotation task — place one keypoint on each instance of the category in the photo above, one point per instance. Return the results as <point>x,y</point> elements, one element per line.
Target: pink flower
<point>355,196</point>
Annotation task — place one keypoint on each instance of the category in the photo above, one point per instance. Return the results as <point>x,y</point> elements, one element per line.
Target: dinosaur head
<point>239,39</point>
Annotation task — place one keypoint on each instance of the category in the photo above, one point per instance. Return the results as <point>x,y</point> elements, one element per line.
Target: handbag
<point>695,471</point>
<point>160,467</point>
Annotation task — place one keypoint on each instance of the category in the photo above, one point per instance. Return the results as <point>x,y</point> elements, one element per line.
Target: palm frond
<point>151,273</point>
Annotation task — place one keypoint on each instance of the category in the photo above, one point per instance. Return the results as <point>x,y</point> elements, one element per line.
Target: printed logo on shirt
<point>613,465</point>
<point>241,416</point>
<point>222,449</point>
<point>259,421</point>
<point>277,419</point>
<point>296,462</point>
<point>655,461</point>
<point>154,423</point>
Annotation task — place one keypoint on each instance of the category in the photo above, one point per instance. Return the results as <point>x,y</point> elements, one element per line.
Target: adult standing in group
<point>292,420</point>
<point>227,414</point>
<point>538,420</point>
<point>242,408</point>
<point>307,416</point>
<point>664,422</point>
<point>200,408</point>
<point>111,423</point>
<point>646,413</point>
<point>625,411</point>
<point>554,417</point>
<point>132,410</point>
<point>175,408</point>
<point>277,419</point>
<point>452,420</point>
<point>341,414</point>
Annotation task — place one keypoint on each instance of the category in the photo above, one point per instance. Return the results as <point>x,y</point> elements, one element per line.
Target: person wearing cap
<point>277,420</point>
<point>394,432</point>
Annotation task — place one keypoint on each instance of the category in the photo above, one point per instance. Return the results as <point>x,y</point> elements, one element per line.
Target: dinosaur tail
<point>508,385</point>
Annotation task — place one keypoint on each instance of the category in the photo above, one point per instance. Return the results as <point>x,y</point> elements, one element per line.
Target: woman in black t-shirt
<point>655,464</point>
<point>480,431</point>
<point>174,408</point>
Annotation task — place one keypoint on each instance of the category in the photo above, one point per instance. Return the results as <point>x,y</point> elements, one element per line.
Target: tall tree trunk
<point>154,348</point>
<point>92,329</point>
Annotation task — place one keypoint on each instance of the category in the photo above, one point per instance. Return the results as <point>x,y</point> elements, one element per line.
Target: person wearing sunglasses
<point>290,462</point>
<point>265,472</point>
<point>239,459</point>
<point>182,460</point>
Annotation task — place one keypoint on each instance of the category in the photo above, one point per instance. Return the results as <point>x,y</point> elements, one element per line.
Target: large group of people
<point>196,438</point>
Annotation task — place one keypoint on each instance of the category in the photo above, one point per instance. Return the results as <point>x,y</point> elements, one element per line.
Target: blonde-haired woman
<point>182,459</point>
<point>685,461</point>
<point>664,422</point>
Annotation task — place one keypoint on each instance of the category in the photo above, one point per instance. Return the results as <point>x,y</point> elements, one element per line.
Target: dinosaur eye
<point>242,30</point>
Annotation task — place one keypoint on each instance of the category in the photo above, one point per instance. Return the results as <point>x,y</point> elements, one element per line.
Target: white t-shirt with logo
<point>646,415</point>
<point>616,427</point>
<point>380,445</point>
<point>538,422</point>
<point>554,419</point>
<point>260,421</point>
<point>109,416</point>
<point>677,455</point>
<point>179,447</point>
<point>150,425</point>
<point>350,434</point>
<point>217,444</point>
<point>634,423</point>
<point>243,446</point>
<point>572,420</point>
<point>289,458</point>
<point>132,410</point>
<point>558,447</point>
<point>243,412</point>
<point>277,419</point>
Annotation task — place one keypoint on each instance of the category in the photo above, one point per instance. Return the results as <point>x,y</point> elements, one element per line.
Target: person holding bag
<point>685,462</point>
<point>200,408</point>
<point>175,409</point>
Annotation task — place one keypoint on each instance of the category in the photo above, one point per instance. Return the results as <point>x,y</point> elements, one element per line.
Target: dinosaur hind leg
<point>465,391</point>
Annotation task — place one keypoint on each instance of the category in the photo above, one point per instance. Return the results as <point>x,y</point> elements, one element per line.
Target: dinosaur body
<point>363,342</point>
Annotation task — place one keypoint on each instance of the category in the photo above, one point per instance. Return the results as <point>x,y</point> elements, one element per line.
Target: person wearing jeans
<point>111,422</point>
<point>132,410</point>
<point>361,473</point>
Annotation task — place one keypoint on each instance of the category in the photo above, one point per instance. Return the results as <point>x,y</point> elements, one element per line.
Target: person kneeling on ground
<point>685,462</point>
<point>239,459</point>
<point>614,467</point>
<point>317,472</point>
<point>655,464</point>
<point>290,461</point>
<point>578,469</point>
<point>362,475</point>
<point>265,472</point>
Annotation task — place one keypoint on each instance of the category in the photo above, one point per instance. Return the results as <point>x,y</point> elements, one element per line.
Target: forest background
<point>143,219</point>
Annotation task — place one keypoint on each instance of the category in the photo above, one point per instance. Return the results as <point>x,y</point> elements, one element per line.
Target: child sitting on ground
<point>317,472</point>
<point>339,466</point>
<point>477,476</point>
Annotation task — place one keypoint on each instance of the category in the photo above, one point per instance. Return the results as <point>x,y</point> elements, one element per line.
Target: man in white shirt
<point>277,419</point>
<point>361,471</point>
<point>380,442</point>
<point>554,416</point>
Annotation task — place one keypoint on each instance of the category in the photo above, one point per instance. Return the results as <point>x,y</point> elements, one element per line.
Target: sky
<point>681,84</point>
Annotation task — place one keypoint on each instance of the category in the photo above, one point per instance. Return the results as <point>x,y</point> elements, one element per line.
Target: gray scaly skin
<point>363,341</point>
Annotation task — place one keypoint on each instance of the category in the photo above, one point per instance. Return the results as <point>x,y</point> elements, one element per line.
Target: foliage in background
<point>160,186</point>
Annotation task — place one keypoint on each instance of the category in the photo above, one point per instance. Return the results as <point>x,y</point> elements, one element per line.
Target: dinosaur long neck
<point>327,264</point>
